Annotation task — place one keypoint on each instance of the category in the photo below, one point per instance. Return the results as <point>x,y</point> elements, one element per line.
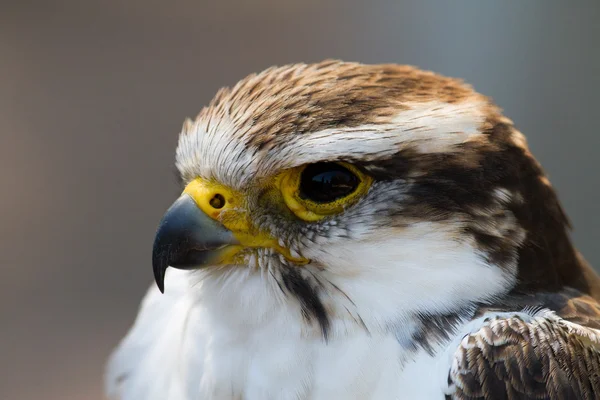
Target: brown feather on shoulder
<point>555,354</point>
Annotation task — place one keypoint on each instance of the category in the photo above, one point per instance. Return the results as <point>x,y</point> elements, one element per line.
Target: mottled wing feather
<point>544,358</point>
<point>581,310</point>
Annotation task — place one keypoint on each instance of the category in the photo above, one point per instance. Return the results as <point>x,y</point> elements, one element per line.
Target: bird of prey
<point>351,231</point>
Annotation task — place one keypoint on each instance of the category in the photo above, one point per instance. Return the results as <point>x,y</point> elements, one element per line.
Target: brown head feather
<point>265,109</point>
<point>301,98</point>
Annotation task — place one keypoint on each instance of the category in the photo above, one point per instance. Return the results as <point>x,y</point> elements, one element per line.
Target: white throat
<point>233,333</point>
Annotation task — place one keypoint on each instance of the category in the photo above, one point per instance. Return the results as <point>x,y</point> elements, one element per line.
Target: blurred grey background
<point>93,93</point>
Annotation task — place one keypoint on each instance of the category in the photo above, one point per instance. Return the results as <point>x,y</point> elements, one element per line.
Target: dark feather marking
<point>308,297</point>
<point>342,292</point>
<point>277,281</point>
<point>360,320</point>
<point>462,183</point>
<point>436,328</point>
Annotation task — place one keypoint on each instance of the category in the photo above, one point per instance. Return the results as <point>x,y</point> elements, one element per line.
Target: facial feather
<point>454,214</point>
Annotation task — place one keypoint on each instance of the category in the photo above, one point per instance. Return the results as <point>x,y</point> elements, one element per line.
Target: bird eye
<point>326,182</point>
<point>316,191</point>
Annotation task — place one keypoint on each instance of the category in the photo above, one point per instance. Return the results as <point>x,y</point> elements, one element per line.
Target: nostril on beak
<point>217,201</point>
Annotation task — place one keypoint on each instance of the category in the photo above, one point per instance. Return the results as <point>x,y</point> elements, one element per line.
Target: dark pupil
<point>326,182</point>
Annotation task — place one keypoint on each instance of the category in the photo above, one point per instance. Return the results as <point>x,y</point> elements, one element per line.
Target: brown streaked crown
<point>302,98</point>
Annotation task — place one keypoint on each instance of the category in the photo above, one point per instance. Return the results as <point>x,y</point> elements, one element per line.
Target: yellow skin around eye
<point>311,211</point>
<point>231,210</point>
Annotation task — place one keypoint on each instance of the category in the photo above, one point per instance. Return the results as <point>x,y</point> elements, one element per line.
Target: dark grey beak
<point>187,238</point>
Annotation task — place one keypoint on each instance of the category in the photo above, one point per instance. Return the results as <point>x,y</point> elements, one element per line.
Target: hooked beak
<point>187,238</point>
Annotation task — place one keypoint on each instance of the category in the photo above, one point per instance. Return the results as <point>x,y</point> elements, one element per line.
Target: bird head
<point>378,188</point>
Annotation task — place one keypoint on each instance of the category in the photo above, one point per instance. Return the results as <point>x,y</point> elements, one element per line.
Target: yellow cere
<point>311,211</point>
<point>233,214</point>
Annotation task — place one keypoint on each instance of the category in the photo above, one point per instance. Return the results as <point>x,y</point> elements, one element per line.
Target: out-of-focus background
<point>93,93</point>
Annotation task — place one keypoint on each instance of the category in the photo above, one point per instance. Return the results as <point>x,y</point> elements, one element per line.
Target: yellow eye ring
<point>315,191</point>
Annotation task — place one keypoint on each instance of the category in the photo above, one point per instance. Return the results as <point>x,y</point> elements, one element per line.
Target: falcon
<point>351,231</point>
